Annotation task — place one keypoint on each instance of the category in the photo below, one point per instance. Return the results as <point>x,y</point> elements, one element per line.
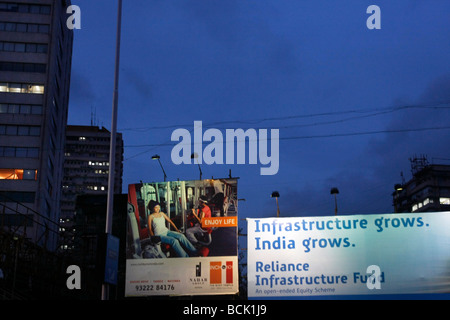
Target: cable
<point>361,133</point>
<point>373,111</point>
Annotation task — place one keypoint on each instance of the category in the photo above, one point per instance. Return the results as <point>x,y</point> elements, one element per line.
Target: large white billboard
<point>182,238</point>
<point>349,255</point>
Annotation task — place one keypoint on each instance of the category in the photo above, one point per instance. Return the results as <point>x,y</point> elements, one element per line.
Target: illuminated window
<point>18,174</point>
<point>22,88</point>
<point>445,201</point>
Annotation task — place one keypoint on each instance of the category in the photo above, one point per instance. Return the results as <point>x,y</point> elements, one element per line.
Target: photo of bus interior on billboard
<point>175,224</point>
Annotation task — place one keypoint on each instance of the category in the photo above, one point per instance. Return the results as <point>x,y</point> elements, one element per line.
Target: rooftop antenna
<point>418,163</point>
<point>94,116</point>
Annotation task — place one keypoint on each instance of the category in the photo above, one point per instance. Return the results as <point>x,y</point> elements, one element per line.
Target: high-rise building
<point>35,67</point>
<point>427,191</point>
<point>86,171</point>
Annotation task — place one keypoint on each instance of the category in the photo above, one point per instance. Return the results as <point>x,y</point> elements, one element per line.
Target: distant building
<point>427,191</point>
<point>86,171</point>
<point>35,68</point>
<point>88,250</point>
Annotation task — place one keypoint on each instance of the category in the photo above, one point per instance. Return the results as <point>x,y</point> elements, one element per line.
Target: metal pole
<point>165,176</point>
<point>335,205</point>
<point>278,208</point>
<point>112,149</point>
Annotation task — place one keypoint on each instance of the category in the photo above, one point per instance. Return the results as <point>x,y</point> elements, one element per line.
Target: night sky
<point>352,104</point>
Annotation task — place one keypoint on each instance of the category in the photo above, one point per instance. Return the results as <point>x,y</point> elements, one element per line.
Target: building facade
<point>35,68</point>
<point>86,171</point>
<point>427,191</point>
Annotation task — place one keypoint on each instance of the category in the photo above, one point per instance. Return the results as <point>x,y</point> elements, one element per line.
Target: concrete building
<point>427,191</point>
<point>35,68</point>
<point>86,171</point>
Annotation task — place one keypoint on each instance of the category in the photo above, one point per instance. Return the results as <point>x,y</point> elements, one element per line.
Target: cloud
<point>366,181</point>
<point>81,89</point>
<point>136,81</point>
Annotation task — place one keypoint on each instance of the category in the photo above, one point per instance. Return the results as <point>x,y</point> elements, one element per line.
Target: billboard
<point>182,238</point>
<point>349,255</point>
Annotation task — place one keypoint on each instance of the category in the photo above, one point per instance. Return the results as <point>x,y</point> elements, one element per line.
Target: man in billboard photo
<point>218,198</point>
<point>197,230</point>
<point>157,227</point>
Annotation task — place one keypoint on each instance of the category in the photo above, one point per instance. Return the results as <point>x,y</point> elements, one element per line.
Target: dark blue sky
<point>350,103</point>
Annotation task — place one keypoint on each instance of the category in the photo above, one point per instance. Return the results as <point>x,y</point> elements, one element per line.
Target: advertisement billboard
<point>182,238</point>
<point>349,255</point>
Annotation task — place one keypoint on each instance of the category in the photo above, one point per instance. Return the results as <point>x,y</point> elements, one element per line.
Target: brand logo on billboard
<point>198,279</point>
<point>221,272</point>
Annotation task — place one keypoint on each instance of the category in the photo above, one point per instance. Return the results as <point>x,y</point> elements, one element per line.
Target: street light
<point>276,195</point>
<point>195,156</point>
<point>335,191</point>
<point>156,157</point>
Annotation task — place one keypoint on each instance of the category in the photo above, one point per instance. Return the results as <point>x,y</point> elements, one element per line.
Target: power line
<point>373,112</point>
<point>334,135</point>
<point>365,133</point>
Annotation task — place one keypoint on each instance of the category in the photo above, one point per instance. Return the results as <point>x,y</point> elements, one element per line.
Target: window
<point>19,152</point>
<point>44,28</point>
<point>22,67</point>
<point>21,27</point>
<point>11,130</point>
<point>444,201</point>
<point>34,8</point>
<point>36,109</point>
<point>20,109</point>
<point>31,47</point>
<point>34,131</point>
<point>15,87</point>
<point>14,130</point>
<point>18,174</point>
<point>19,47</point>
<point>24,197</point>
<point>24,27</point>
<point>22,88</point>
<point>23,47</point>
<point>26,109</point>
<point>25,8</point>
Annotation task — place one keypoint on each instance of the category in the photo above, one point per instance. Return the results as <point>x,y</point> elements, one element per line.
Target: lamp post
<point>335,191</point>
<point>276,195</point>
<point>195,156</point>
<point>112,146</point>
<point>156,157</point>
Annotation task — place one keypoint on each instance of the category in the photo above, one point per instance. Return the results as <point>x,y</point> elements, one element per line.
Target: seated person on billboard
<point>157,227</point>
<point>197,230</point>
